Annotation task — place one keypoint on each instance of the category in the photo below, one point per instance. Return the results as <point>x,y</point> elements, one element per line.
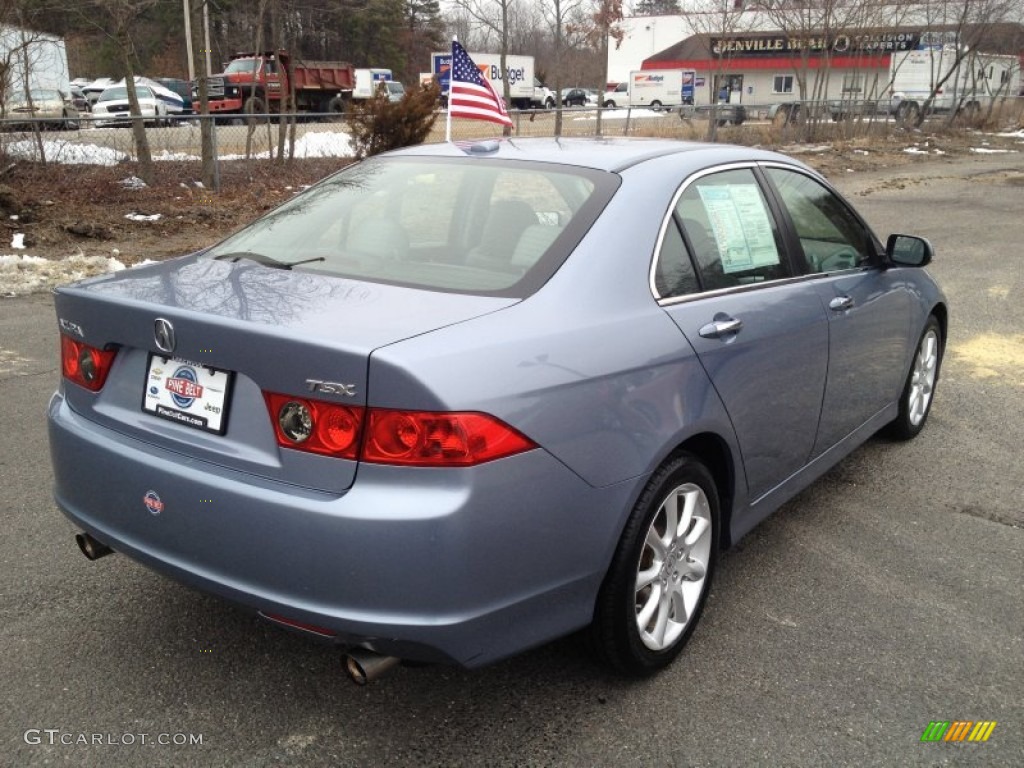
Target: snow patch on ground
<point>144,216</point>
<point>18,241</point>
<point>622,114</point>
<point>66,152</point>
<point>22,275</point>
<point>313,145</point>
<point>990,151</point>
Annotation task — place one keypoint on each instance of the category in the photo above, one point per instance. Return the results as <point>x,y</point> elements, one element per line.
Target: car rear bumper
<point>462,565</point>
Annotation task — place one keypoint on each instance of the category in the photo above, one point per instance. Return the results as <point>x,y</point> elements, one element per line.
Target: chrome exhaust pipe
<point>91,548</point>
<point>366,666</point>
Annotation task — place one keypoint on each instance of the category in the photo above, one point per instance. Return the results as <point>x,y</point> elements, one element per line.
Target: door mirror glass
<point>908,251</point>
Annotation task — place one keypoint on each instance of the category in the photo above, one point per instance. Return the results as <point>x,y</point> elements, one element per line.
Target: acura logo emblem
<point>163,334</point>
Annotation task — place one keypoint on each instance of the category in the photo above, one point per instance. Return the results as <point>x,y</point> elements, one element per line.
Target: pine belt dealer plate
<point>188,393</point>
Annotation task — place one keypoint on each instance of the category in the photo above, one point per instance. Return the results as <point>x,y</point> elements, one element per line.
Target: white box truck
<point>33,60</point>
<point>654,89</point>
<point>525,90</point>
<point>977,80</point>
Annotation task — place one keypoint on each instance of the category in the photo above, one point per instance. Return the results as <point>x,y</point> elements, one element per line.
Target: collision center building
<point>765,66</point>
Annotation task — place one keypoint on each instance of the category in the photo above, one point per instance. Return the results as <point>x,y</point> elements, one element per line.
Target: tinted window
<point>831,237</point>
<point>447,224</point>
<point>731,231</point>
<point>673,274</point>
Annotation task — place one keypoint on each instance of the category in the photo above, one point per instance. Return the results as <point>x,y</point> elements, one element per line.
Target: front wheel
<point>656,587</point>
<point>916,400</point>
<point>656,106</point>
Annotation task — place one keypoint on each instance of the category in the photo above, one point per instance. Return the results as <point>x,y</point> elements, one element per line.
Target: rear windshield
<point>465,225</point>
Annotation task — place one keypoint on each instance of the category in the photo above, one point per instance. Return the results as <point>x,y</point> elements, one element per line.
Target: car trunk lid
<point>268,330</point>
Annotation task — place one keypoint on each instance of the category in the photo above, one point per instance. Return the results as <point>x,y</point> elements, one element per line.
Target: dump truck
<point>254,83</point>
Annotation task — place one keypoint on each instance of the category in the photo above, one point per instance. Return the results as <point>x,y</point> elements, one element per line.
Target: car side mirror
<point>908,251</point>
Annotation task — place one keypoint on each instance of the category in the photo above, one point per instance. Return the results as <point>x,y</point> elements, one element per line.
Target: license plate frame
<point>191,394</point>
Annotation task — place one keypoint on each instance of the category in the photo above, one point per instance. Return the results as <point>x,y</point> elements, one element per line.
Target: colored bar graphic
<point>958,730</point>
<point>935,731</point>
<point>982,731</point>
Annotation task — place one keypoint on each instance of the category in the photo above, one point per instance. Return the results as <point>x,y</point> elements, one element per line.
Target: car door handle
<point>840,303</point>
<point>720,328</point>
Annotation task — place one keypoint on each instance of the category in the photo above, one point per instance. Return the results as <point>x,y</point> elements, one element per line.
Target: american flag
<point>470,94</point>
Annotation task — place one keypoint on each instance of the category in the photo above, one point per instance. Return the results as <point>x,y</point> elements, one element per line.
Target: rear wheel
<point>656,587</point>
<point>336,108</point>
<point>656,106</point>
<point>907,112</point>
<point>916,400</point>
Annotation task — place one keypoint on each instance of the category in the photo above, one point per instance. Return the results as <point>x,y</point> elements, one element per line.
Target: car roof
<point>607,154</point>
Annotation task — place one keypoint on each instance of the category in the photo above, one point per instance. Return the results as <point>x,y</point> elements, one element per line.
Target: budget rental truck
<point>254,83</point>
<point>654,88</point>
<point>525,90</point>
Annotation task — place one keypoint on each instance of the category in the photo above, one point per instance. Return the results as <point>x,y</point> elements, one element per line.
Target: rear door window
<point>730,231</point>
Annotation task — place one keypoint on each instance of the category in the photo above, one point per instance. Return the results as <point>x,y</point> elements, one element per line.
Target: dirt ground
<point>65,210</point>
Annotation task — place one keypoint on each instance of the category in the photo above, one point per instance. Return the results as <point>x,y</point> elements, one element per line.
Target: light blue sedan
<point>458,400</point>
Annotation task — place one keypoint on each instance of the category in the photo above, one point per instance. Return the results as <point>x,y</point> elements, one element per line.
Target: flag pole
<point>448,112</point>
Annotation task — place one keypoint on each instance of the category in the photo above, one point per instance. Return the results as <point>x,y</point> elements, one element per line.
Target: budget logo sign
<point>958,730</point>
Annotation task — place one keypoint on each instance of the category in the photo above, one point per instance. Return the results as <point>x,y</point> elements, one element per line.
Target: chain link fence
<point>318,136</point>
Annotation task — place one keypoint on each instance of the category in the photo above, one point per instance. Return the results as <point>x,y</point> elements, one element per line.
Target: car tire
<point>659,578</point>
<point>656,106</point>
<point>609,104</point>
<point>907,113</point>
<point>253,108</point>
<point>919,389</point>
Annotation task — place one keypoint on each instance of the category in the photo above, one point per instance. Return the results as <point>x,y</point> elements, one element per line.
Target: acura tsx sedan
<point>456,401</point>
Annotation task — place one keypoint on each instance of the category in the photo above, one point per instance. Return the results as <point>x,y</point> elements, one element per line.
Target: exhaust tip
<point>92,548</point>
<point>366,666</point>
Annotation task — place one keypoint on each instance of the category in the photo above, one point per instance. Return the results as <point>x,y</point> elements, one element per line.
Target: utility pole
<point>188,42</point>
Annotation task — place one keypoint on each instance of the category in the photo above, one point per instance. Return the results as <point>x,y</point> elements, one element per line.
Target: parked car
<point>79,100</point>
<point>395,90</point>
<point>183,88</point>
<point>617,97</point>
<point>46,107</point>
<point>454,402</point>
<point>574,97</point>
<point>724,114</point>
<point>112,107</point>
<point>93,90</point>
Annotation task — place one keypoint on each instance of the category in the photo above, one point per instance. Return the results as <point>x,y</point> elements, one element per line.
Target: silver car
<point>458,400</point>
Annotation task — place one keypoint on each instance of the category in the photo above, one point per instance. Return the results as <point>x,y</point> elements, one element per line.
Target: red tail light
<point>315,426</point>
<point>428,439</point>
<point>411,438</point>
<point>84,365</point>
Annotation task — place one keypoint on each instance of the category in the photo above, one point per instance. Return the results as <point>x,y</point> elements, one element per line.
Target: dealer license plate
<point>191,394</point>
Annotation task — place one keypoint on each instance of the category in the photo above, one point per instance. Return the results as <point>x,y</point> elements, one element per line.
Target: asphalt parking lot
<point>885,597</point>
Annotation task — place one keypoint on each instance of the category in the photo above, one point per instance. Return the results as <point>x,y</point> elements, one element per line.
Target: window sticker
<point>741,226</point>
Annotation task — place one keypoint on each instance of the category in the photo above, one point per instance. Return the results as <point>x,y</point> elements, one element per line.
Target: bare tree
<point>597,28</point>
<point>818,26</point>
<point>494,15</point>
<point>206,127</point>
<point>716,22</point>
<point>116,19</point>
<point>557,15</point>
<point>961,26</point>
